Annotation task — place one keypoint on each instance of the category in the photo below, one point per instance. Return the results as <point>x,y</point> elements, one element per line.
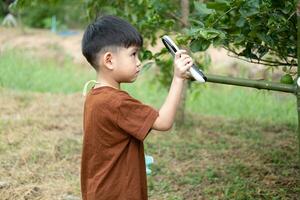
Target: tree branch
<point>177,18</point>
<point>268,47</point>
<point>267,85</point>
<point>223,15</point>
<point>260,61</point>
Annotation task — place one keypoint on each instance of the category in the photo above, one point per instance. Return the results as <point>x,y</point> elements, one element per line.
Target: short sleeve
<point>135,118</point>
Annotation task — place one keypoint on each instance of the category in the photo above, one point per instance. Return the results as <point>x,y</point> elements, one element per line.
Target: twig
<point>264,62</point>
<point>223,15</point>
<point>177,18</point>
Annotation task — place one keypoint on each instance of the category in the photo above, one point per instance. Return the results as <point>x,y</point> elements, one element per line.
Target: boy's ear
<point>107,60</point>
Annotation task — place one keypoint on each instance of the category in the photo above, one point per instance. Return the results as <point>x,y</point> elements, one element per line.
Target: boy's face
<point>126,64</point>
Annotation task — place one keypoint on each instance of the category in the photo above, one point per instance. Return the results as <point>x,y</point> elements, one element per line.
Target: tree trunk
<point>185,11</point>
<point>298,84</point>
<point>180,114</point>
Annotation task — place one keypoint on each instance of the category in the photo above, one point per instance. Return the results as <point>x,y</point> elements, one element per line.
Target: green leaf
<point>208,34</point>
<point>287,8</point>
<point>239,39</point>
<point>250,7</point>
<point>265,38</point>
<point>241,22</point>
<point>287,79</point>
<point>182,39</point>
<point>220,5</point>
<point>169,22</point>
<point>201,9</point>
<point>145,55</point>
<point>197,23</point>
<point>199,45</point>
<point>218,42</point>
<point>205,33</point>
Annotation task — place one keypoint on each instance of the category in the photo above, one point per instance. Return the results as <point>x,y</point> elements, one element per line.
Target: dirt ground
<point>43,43</point>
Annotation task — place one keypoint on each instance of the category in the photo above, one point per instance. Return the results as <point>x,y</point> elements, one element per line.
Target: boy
<point>115,124</point>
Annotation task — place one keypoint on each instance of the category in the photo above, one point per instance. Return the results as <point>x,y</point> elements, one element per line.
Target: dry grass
<point>40,148</point>
<point>211,158</point>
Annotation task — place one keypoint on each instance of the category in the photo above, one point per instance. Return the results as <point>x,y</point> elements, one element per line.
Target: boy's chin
<point>130,81</point>
<point>133,79</point>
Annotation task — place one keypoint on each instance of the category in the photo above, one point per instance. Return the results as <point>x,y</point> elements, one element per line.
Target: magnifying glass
<point>195,71</point>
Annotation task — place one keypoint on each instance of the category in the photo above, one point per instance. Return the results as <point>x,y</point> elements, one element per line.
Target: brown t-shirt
<point>113,165</point>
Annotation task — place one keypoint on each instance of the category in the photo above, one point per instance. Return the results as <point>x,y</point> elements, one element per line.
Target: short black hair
<point>108,31</point>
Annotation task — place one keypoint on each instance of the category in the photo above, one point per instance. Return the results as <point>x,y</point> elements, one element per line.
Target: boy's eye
<point>134,53</point>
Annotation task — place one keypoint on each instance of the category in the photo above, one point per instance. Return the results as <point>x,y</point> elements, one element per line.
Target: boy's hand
<point>182,63</point>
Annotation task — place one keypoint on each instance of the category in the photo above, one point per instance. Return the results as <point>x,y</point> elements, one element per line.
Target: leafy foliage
<point>258,31</point>
<point>2,9</point>
<point>148,16</point>
<point>261,31</point>
<point>38,13</point>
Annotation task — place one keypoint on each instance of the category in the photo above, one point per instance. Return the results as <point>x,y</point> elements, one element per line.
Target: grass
<point>224,101</point>
<point>23,71</point>
<point>244,103</point>
<point>236,144</point>
<point>209,158</point>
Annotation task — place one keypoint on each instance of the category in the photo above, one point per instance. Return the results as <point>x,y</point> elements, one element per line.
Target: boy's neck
<point>105,82</point>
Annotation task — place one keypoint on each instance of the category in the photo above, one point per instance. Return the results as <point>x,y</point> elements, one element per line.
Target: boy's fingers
<point>179,52</point>
<point>187,66</point>
<point>183,57</point>
<point>185,61</point>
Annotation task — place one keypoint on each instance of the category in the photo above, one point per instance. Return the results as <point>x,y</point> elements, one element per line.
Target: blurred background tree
<point>38,14</point>
<point>257,31</point>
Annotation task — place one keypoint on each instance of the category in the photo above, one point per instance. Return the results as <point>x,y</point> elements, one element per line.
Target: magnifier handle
<point>195,71</point>
<point>198,74</point>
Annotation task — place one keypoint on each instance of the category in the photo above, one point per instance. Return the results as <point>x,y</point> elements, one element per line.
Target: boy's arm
<point>167,112</point>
